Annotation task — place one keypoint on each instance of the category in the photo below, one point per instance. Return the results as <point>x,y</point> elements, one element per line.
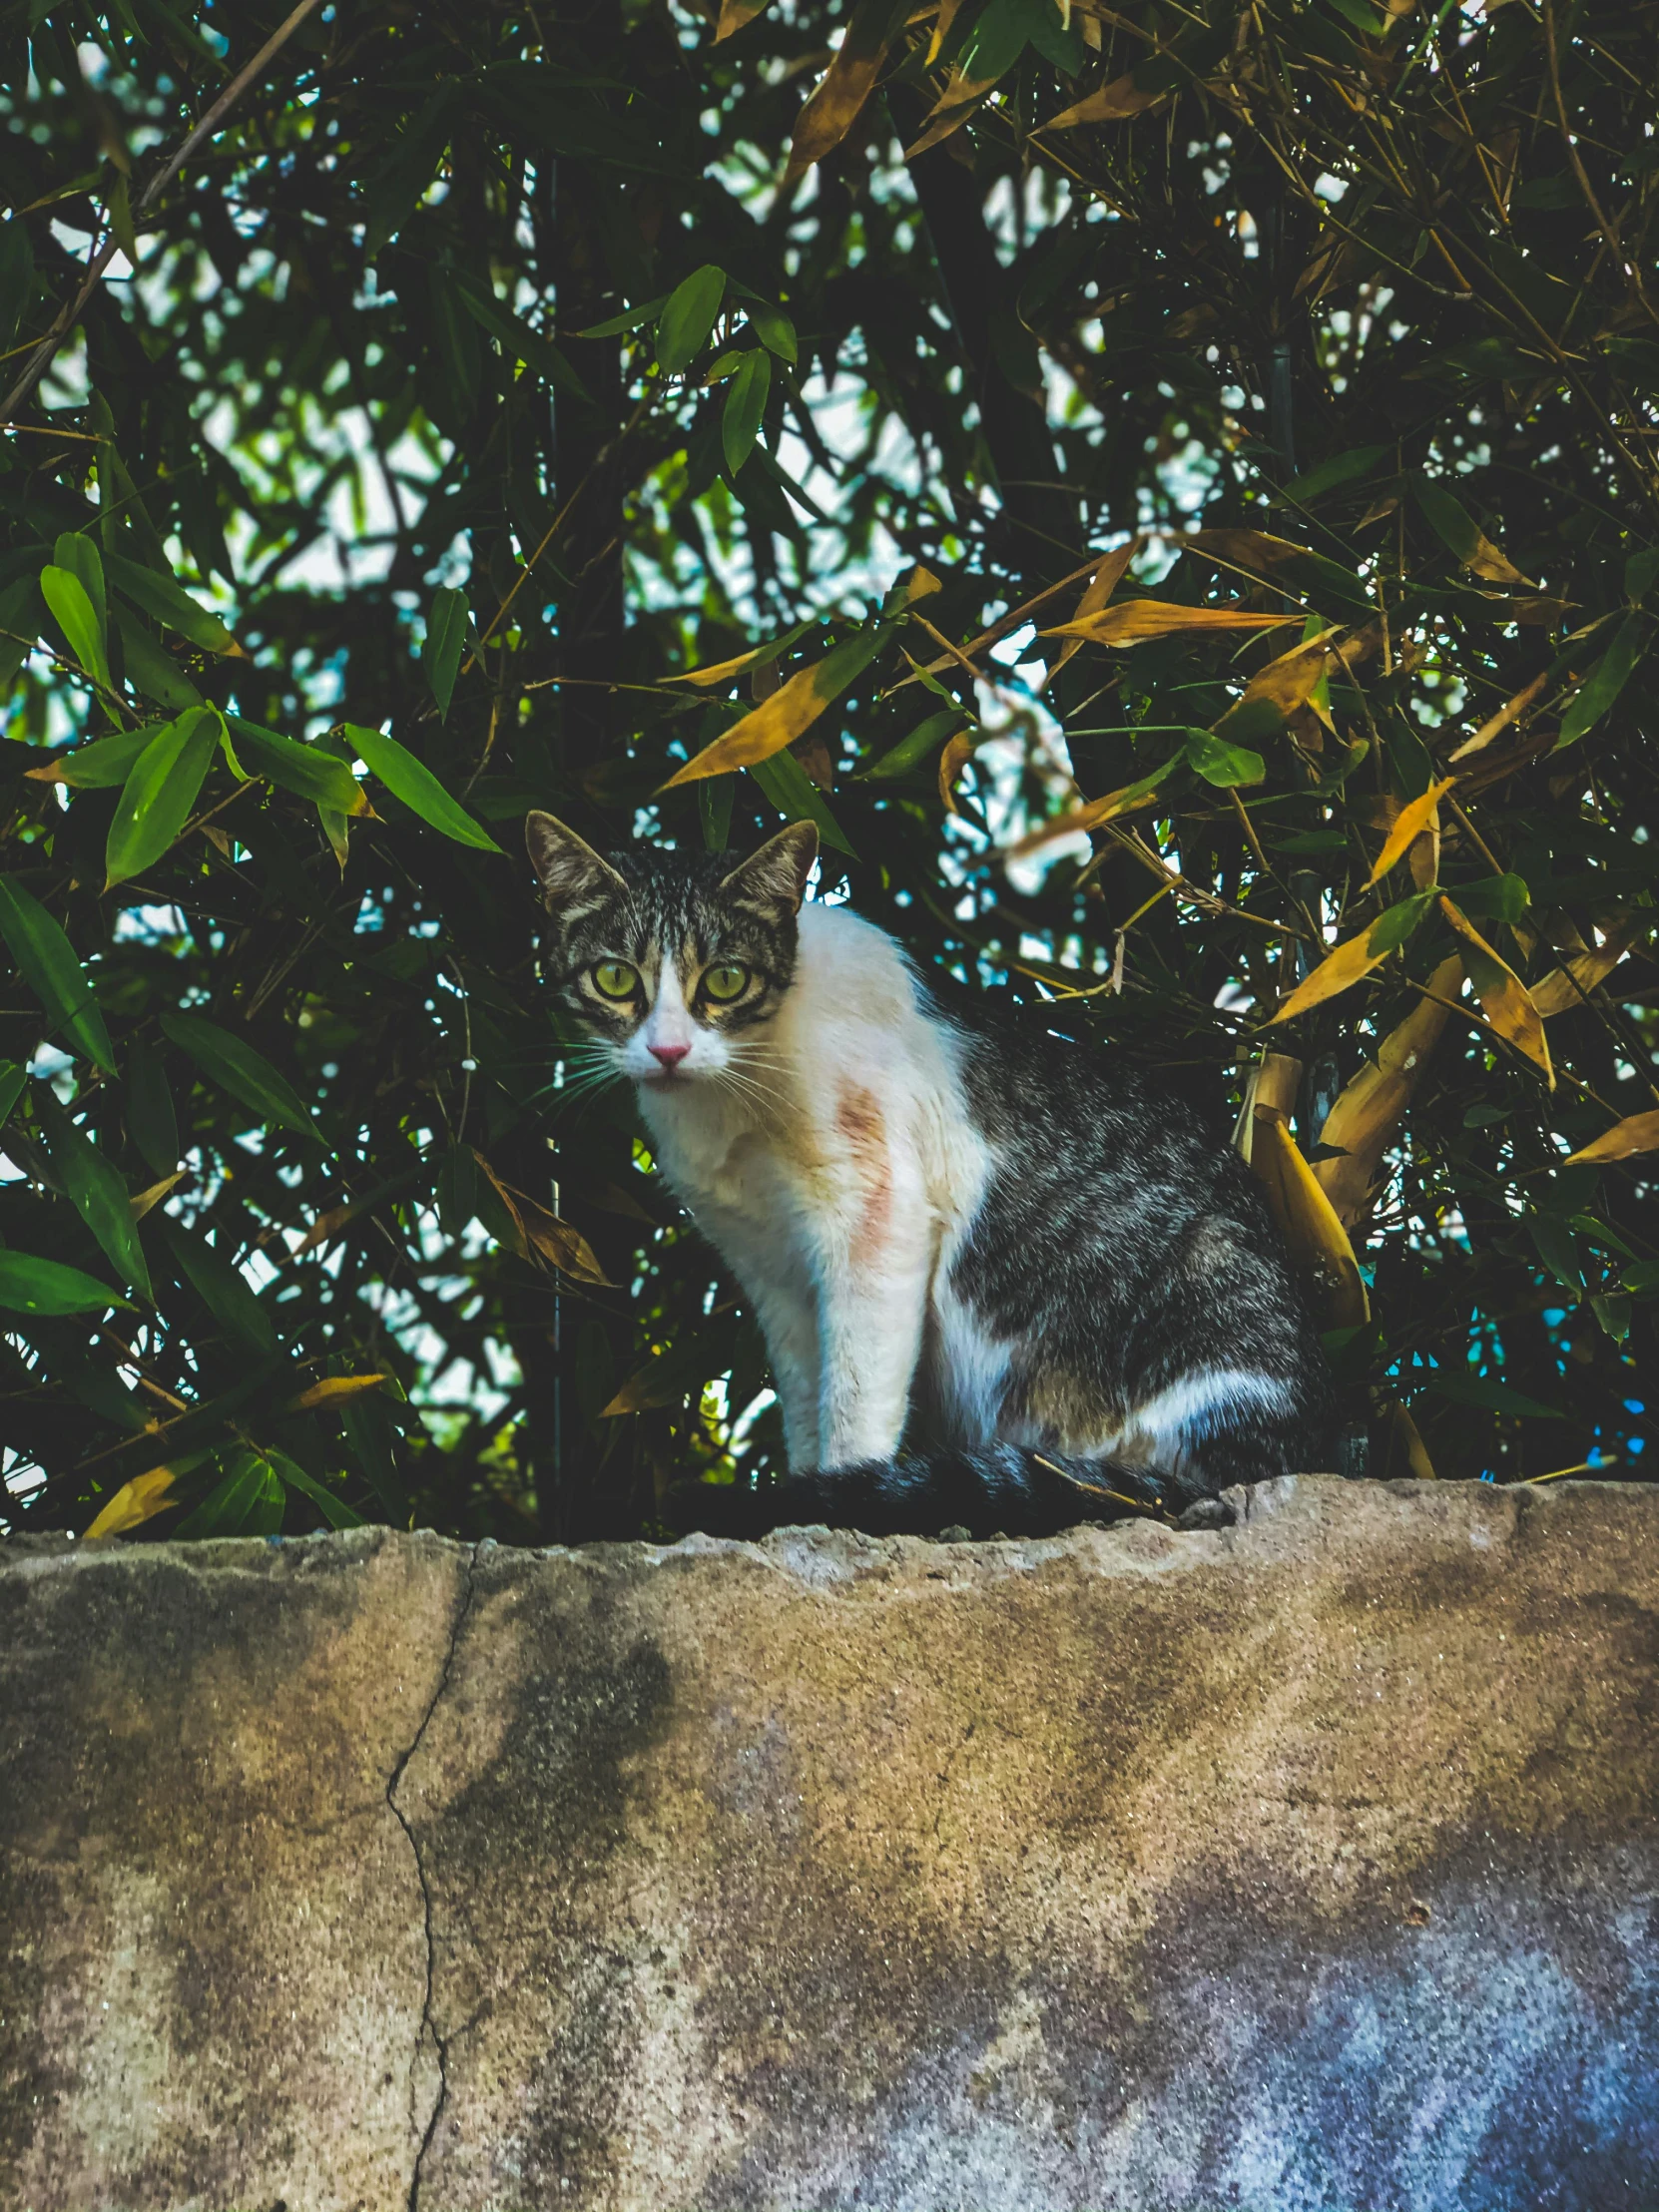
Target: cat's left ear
<point>777,874</point>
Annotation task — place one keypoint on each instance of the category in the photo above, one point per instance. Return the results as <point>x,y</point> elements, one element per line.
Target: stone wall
<point>1310,1863</point>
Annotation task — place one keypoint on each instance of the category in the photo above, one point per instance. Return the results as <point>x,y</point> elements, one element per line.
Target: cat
<point>1005,1281</point>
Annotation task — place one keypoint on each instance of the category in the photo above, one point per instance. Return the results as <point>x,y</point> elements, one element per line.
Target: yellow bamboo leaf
<point>790,712</point>
<point>334,1389</point>
<point>143,1202</point>
<point>952,761</point>
<point>1351,963</point>
<point>1504,999</point>
<point>1316,1239</point>
<point>1489,561</point>
<point>1136,619</point>
<point>136,1501</point>
<point>1120,97</point>
<point>1409,826</point>
<point>1366,1114</point>
<point>1091,815</point>
<point>1636,1133</point>
<point>1495,724</point>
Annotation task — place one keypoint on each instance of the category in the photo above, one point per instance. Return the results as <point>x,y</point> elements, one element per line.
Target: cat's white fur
<point>833,1160</point>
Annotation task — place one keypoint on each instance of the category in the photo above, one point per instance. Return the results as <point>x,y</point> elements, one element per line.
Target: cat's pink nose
<point>670,1054</point>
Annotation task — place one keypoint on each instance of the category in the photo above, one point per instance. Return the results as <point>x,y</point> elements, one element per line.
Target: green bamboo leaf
<point>911,751</point>
<point>1352,467</point>
<point>165,600</point>
<point>1486,1392</point>
<point>159,792</point>
<point>20,625</point>
<point>151,1122</point>
<point>1222,764</point>
<point>403,181</point>
<point>1605,681</point>
<point>12,1080</point>
<point>105,764</point>
<point>774,329</point>
<point>47,961</point>
<point>683,326</point>
<point>413,783</point>
<point>334,1507</point>
<point>76,553</point>
<point>247,1075</point>
<point>306,769</point>
<point>149,669</point>
<point>798,798</point>
<point>440,656</point>
<point>248,1502</point>
<point>98,1191</point>
<point>524,343</point>
<point>31,1286</point>
<point>744,407</point>
<point>223,1288</point>
<point>17,275</point>
<point>81,623</point>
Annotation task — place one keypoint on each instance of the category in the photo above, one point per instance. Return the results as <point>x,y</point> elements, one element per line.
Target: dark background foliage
<point>1374,293</point>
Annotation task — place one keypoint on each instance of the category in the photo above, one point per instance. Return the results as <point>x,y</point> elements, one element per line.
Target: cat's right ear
<point>777,874</point>
<point>571,873</point>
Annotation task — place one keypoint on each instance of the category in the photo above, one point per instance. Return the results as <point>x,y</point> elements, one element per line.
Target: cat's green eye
<point>615,979</point>
<point>727,983</point>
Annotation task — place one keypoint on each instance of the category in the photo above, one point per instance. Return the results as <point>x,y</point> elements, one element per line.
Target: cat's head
<point>669,959</point>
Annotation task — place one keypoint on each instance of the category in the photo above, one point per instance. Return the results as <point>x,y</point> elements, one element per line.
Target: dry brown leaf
<point>952,761</point>
<point>737,15</point>
<point>1110,104</point>
<point>1136,619</point>
<point>1489,561</point>
<point>1405,1452</point>
<point>1409,826</point>
<point>1288,681</point>
<point>558,1242</point>
<point>135,1502</point>
<point>1636,1133</point>
<point>1504,999</point>
<point>1316,1239</point>
<point>1366,1114</point>
<point>326,1226</point>
<point>142,1203</point>
<point>334,1389</point>
<point>1561,992</point>
<point>833,108</point>
<point>1256,549</point>
<point>1098,591</point>
<point>949,10</point>
<point>1351,963</point>
<point>1499,722</point>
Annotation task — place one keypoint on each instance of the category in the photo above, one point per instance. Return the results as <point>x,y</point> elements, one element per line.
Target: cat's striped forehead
<point>659,905</point>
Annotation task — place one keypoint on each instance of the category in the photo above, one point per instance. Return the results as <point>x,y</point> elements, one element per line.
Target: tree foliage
<point>1171,490</point>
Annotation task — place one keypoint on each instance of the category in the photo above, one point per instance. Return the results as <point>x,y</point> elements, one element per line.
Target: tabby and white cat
<point>961,1232</point>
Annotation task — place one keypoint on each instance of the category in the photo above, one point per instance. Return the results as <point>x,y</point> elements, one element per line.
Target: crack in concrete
<point>428,2025</point>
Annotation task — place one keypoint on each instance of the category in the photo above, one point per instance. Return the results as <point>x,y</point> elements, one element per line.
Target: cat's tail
<point>996,1489</point>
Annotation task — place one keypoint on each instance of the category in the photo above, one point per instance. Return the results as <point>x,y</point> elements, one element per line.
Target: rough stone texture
<point>1308,1863</point>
